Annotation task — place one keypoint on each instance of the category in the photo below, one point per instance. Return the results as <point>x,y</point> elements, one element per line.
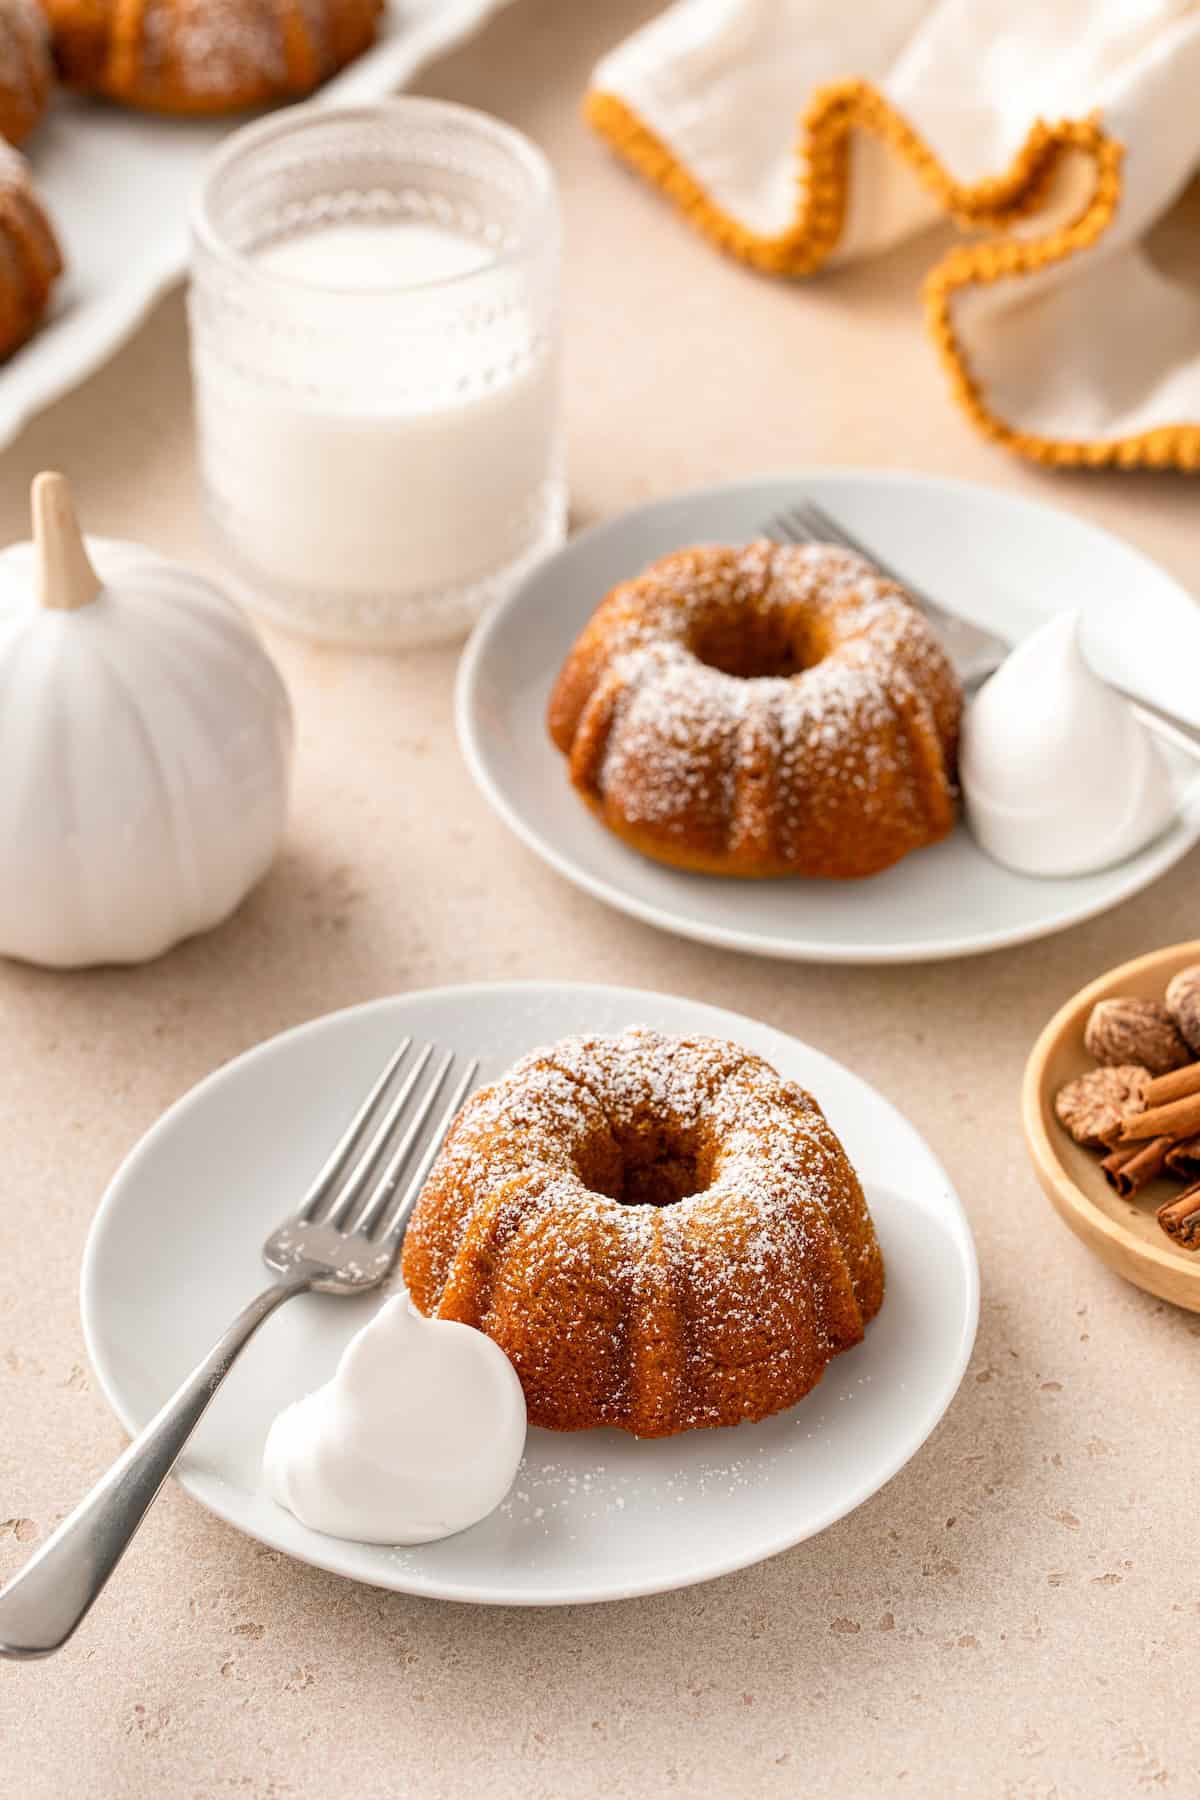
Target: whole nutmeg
<point>1183,1004</point>
<point>1136,1031</point>
<point>1093,1106</point>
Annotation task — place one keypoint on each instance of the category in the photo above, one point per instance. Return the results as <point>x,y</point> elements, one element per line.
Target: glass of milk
<point>375,338</point>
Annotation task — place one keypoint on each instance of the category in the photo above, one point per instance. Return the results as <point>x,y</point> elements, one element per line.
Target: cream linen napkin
<point>1055,132</point>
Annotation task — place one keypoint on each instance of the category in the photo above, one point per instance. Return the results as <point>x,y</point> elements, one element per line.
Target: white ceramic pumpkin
<point>145,747</point>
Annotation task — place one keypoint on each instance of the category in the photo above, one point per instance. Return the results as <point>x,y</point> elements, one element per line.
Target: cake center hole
<point>740,641</point>
<point>657,1174</point>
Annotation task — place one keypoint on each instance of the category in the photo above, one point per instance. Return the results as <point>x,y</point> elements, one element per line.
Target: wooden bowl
<point>1123,1233</point>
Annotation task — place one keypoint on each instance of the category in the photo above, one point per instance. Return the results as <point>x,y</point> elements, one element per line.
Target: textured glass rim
<point>295,121</point>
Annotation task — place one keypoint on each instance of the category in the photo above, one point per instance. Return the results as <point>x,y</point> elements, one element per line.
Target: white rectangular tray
<point>119,186</point>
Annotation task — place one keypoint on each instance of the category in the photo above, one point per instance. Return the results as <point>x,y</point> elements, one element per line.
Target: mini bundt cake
<point>761,710</point>
<point>207,56</point>
<point>26,71</point>
<point>660,1232</point>
<point>29,258</point>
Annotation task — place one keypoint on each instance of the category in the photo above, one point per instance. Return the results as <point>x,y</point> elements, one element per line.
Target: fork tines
<point>804,522</point>
<point>355,1191</point>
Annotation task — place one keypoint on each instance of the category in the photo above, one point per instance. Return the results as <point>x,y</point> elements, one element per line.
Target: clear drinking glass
<point>375,345</point>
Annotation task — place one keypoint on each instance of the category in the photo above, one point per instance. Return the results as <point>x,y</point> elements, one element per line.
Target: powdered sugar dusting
<point>219,45</point>
<point>581,1498</point>
<point>25,67</point>
<point>212,52</point>
<point>683,1200</point>
<point>14,170</point>
<point>703,755</point>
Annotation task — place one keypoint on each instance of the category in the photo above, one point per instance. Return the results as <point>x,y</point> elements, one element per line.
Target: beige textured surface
<point>1017,1613</point>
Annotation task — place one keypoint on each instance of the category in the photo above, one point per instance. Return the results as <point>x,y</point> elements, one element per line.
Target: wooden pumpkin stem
<point>65,577</point>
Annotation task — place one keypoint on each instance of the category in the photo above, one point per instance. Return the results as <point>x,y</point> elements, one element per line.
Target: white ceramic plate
<point>119,186</point>
<point>1004,561</point>
<point>174,1253</point>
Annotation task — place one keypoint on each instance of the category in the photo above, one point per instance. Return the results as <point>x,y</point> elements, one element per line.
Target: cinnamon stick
<point>1135,1166</point>
<point>1180,1219</point>
<point>1118,1157</point>
<point>1183,1158</point>
<point>1178,1085</point>
<point>1178,1119</point>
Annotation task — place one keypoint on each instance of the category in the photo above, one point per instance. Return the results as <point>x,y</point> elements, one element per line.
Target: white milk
<point>361,254</point>
<point>361,462</point>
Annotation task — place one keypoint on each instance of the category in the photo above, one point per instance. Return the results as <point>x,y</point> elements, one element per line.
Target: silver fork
<point>975,652</point>
<point>343,1240</point>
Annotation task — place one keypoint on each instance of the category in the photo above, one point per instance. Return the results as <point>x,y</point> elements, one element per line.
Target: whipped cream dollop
<point>418,1434</point>
<point>1059,775</point>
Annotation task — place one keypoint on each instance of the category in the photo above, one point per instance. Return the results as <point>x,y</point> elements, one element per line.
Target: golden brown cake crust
<point>26,71</point>
<point>29,256</point>
<point>762,710</point>
<point>659,1231</point>
<point>207,56</point>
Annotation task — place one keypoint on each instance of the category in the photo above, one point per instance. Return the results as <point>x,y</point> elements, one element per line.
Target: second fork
<point>343,1239</point>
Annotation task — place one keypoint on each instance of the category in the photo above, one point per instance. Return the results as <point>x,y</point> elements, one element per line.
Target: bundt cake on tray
<point>660,1232</point>
<point>26,71</point>
<point>207,56</point>
<point>764,709</point>
<point>30,262</point>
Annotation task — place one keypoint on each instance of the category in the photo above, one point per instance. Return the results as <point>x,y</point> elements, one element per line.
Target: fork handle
<point>1162,722</point>
<point>41,1607</point>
